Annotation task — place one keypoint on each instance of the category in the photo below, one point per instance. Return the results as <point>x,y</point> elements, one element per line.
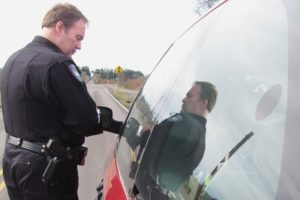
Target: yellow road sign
<point>119,69</point>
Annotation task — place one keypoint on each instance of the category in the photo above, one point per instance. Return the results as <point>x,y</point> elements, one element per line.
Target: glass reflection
<point>249,66</point>
<point>175,146</point>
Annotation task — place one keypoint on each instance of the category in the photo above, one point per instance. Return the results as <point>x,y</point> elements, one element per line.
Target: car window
<point>160,150</point>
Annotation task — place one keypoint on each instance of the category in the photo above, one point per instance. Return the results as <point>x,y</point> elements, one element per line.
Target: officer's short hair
<point>66,13</point>
<point>208,92</point>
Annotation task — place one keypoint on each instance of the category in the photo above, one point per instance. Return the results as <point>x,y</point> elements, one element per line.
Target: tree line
<point>108,74</point>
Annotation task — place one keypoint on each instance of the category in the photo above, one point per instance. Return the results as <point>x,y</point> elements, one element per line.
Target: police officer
<point>44,97</point>
<point>177,144</point>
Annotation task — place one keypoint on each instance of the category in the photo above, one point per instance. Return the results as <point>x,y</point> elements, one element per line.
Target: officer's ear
<point>204,102</point>
<point>59,27</point>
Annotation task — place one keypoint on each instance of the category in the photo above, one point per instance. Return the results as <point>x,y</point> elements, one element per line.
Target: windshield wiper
<point>201,188</point>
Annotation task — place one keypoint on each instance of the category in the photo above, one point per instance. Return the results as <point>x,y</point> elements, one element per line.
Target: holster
<point>60,157</point>
<point>77,155</point>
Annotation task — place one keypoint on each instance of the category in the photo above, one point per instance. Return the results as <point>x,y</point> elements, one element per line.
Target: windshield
<point>242,50</point>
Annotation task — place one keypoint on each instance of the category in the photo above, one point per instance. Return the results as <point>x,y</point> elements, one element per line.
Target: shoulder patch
<point>175,118</point>
<point>75,72</point>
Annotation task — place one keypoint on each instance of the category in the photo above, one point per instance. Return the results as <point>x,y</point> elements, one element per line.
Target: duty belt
<point>24,144</point>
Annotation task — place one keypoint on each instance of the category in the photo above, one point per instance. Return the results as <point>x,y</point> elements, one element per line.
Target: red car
<point>249,49</point>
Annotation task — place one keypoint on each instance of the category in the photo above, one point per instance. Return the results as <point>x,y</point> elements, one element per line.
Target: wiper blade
<point>201,188</point>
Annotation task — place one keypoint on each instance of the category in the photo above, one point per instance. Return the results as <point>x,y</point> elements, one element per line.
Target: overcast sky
<point>131,33</point>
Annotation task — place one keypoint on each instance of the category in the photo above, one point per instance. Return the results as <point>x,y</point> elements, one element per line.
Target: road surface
<point>98,147</point>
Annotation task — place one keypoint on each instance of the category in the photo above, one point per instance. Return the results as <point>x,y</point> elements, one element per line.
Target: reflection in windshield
<point>175,146</point>
<point>201,189</point>
<point>203,5</point>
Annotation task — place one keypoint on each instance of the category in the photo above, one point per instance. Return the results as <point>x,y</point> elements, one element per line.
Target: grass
<point>123,98</point>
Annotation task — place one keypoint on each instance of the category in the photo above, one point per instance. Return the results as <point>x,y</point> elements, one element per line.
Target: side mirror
<point>106,116</point>
<point>108,123</point>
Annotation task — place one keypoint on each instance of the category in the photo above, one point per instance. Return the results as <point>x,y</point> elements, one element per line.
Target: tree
<point>85,73</point>
<point>130,74</point>
<point>109,74</point>
<point>203,5</point>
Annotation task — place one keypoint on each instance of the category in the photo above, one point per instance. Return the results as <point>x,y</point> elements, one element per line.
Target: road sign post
<point>119,70</point>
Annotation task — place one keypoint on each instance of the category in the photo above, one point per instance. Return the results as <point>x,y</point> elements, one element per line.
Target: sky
<point>132,34</point>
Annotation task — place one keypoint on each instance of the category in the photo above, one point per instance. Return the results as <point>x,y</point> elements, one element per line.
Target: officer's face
<point>71,38</point>
<point>192,102</point>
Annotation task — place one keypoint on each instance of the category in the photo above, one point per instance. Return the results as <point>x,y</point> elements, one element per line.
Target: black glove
<point>115,127</point>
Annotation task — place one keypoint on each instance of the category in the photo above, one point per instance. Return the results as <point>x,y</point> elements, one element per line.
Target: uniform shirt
<point>43,96</point>
<point>175,148</point>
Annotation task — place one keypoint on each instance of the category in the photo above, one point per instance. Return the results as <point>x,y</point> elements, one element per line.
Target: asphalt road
<point>98,147</point>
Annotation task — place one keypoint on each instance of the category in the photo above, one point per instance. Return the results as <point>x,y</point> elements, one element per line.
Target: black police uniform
<point>175,148</point>
<point>43,96</point>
